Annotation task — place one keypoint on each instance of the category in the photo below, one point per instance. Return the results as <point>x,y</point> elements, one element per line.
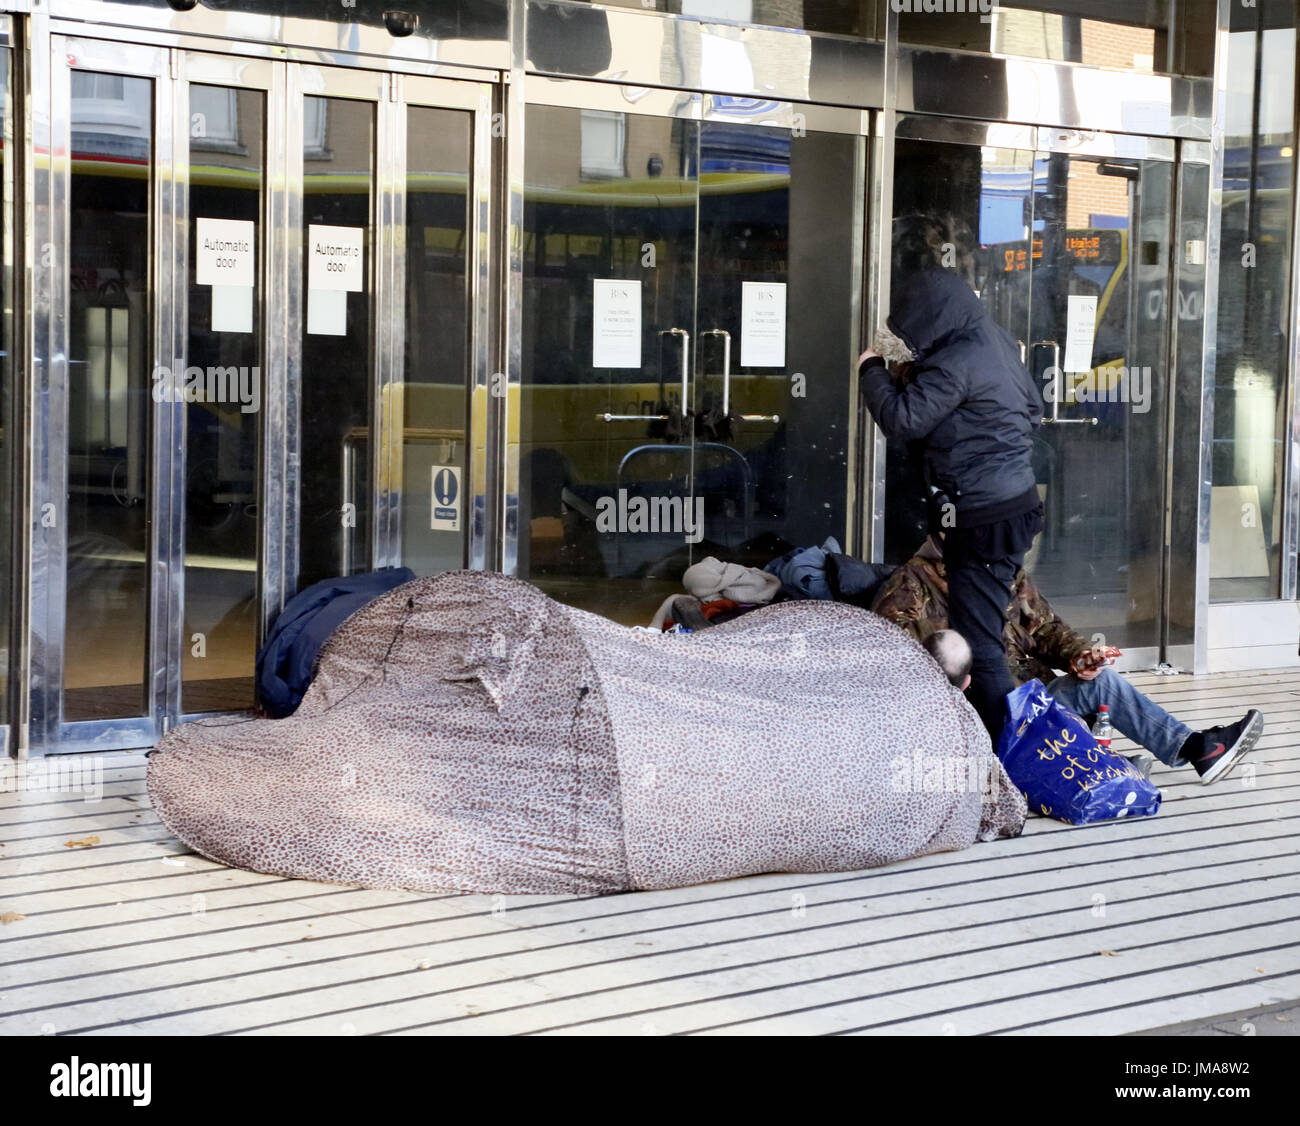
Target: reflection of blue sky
<point>1002,203</point>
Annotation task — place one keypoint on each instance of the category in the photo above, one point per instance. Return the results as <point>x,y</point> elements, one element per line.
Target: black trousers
<point>981,564</point>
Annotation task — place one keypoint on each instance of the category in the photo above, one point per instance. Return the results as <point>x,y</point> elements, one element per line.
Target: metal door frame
<point>171,65</point>
<point>700,107</point>
<point>1084,143</point>
<point>207,68</point>
<point>47,577</point>
<point>12,222</point>
<point>475,98</point>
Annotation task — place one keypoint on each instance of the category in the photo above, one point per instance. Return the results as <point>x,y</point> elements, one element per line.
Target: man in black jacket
<point>973,407</point>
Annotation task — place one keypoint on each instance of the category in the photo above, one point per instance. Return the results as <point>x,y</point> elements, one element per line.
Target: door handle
<point>686,357</point>
<point>348,485</point>
<point>726,366</point>
<point>1056,419</point>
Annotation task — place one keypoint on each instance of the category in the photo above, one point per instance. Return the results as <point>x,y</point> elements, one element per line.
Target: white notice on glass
<point>762,324</point>
<point>225,259</point>
<point>1081,327</point>
<point>224,252</point>
<point>616,323</point>
<point>232,308</point>
<point>334,258</point>
<point>327,312</point>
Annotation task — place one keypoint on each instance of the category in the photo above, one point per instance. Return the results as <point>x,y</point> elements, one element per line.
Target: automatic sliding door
<point>10,448</point>
<point>263,334</point>
<point>107,494</point>
<point>777,305</point>
<point>605,454</point>
<point>224,379</point>
<point>1099,306</point>
<point>965,204</point>
<point>338,358</point>
<point>434,408</point>
<point>1067,240</point>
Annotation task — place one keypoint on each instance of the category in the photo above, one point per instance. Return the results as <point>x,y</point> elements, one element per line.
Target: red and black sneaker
<point>1215,751</point>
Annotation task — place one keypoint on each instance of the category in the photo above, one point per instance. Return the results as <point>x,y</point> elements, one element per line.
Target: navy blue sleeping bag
<point>288,659</point>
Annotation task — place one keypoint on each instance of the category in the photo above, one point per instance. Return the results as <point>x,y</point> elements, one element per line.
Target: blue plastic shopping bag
<point>1052,758</point>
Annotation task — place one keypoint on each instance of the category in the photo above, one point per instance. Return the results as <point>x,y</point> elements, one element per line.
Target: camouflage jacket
<point>1037,641</point>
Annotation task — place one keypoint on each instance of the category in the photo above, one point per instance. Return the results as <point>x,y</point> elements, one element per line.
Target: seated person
<point>951,653</point>
<point>1038,642</point>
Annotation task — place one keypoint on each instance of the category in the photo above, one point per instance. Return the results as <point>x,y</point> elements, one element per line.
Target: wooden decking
<point>1112,928</point>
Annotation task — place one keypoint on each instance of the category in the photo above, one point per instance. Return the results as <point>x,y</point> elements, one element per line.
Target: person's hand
<point>1090,662</point>
<point>869,354</point>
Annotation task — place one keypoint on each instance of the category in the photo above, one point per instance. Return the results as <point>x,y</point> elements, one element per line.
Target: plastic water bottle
<point>1102,730</point>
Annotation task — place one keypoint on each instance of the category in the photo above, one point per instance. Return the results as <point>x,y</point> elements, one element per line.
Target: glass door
<point>689,324</point>
<point>431,495</point>
<point>391,376</point>
<point>777,306</point>
<point>11,450</point>
<point>337,332</point>
<point>1099,328</point>
<point>221,395</point>
<point>610,213</point>
<point>1068,240</point>
<point>264,364</point>
<point>98,611</point>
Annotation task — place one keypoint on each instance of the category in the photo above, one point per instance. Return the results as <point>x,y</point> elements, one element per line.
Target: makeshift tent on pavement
<point>466,732</point>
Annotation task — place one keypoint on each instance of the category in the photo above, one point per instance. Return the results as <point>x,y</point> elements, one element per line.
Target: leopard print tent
<point>466,732</point>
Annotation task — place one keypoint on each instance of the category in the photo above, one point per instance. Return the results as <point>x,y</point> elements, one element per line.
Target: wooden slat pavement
<point>1109,928</point>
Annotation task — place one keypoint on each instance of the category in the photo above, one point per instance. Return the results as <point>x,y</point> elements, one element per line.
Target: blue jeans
<point>1142,720</point>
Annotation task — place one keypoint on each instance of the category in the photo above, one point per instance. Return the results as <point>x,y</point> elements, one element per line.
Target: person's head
<point>952,653</point>
<point>931,309</point>
<point>933,240</point>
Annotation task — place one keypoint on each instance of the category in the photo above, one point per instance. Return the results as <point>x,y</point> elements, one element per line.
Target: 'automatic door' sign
<point>335,268</point>
<point>226,260</point>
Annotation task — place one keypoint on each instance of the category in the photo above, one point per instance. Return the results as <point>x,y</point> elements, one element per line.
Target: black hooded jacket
<point>970,403</point>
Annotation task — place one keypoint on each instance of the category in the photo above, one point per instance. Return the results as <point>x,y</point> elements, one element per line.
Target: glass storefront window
<point>7,443</point>
<point>109,446</point>
<point>645,385</point>
<point>221,486</point>
<point>864,18</point>
<point>433,458</point>
<point>337,346</point>
<point>1039,235</point>
<point>1250,400</point>
<point>1111,33</point>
